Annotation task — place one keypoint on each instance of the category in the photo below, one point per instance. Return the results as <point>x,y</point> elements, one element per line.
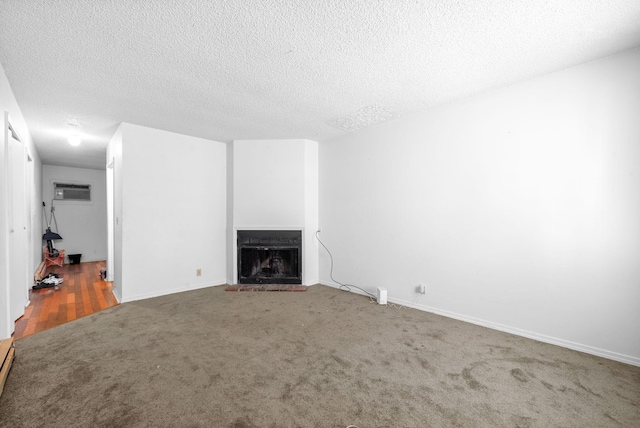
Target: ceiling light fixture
<point>74,139</point>
<point>74,134</point>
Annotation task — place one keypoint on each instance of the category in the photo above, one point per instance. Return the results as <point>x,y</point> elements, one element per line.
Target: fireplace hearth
<point>269,256</point>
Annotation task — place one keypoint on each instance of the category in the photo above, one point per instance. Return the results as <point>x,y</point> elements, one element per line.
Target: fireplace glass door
<point>269,257</point>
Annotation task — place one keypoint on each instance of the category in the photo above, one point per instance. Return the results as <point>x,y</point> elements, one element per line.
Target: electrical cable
<point>343,287</point>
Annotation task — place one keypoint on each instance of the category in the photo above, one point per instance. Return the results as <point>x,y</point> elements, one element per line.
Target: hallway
<point>82,293</point>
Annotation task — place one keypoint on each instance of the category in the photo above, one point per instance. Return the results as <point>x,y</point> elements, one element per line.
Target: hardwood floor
<point>82,293</point>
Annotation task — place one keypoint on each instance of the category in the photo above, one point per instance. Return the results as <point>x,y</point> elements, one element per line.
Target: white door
<point>18,232</point>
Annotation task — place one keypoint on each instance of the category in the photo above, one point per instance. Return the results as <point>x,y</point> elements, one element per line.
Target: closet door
<point>18,230</point>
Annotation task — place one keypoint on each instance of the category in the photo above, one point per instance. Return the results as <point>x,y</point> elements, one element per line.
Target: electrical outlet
<point>198,272</point>
<point>422,289</point>
<point>381,296</point>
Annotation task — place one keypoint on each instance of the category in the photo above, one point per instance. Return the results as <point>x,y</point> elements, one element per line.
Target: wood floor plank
<point>61,314</point>
<point>46,305</point>
<point>30,328</point>
<point>71,306</point>
<point>97,289</point>
<point>28,311</point>
<point>82,293</point>
<point>86,300</point>
<point>55,301</point>
<point>107,292</point>
<point>20,328</point>
<point>93,298</point>
<point>51,321</point>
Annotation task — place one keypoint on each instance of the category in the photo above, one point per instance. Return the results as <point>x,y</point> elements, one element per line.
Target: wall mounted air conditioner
<point>71,192</point>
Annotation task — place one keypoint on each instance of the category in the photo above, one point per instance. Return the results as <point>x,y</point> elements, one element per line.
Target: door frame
<point>9,290</point>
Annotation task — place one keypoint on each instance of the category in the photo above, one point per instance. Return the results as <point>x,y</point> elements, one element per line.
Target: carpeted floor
<point>323,358</point>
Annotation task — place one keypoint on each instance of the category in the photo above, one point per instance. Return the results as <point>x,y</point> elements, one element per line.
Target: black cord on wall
<point>343,287</point>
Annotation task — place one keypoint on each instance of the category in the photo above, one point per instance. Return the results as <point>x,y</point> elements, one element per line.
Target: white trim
<point>268,228</point>
<point>116,294</point>
<point>627,359</point>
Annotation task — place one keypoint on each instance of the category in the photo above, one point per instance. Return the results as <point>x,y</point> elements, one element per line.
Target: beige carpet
<point>323,358</point>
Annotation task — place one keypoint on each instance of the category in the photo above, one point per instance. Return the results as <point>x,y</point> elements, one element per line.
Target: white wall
<point>9,104</point>
<point>268,183</point>
<point>82,224</point>
<point>275,187</point>
<point>519,209</point>
<point>172,212</point>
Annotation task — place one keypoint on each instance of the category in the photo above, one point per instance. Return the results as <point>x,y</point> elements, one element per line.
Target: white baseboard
<point>116,294</point>
<point>627,359</point>
<point>171,291</point>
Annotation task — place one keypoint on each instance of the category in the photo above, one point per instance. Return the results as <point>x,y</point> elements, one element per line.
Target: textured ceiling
<point>261,69</point>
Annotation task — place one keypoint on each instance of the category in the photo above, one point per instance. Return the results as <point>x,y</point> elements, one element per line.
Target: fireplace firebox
<point>269,256</point>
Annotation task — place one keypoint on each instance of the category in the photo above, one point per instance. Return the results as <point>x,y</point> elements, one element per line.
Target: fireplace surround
<point>269,256</point>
